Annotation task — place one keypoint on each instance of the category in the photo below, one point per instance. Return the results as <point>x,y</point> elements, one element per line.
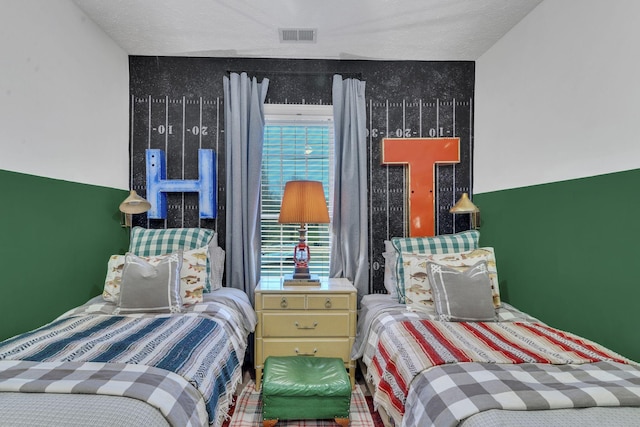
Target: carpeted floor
<point>246,411</point>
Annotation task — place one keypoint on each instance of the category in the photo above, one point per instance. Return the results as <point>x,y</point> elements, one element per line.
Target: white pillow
<point>216,264</point>
<point>390,259</point>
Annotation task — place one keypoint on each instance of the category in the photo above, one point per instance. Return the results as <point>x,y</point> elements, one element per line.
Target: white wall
<point>558,97</point>
<point>64,95</point>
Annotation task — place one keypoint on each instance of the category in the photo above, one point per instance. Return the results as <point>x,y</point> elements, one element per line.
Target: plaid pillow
<point>154,242</point>
<point>444,244</point>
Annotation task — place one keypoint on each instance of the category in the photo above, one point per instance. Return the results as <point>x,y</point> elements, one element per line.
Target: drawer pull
<point>283,302</point>
<point>315,350</point>
<point>327,303</point>
<point>306,327</point>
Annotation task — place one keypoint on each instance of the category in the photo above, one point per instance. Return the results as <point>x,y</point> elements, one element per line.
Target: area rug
<point>248,411</point>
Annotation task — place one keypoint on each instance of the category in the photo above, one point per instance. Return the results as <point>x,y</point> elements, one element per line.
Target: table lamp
<point>303,203</point>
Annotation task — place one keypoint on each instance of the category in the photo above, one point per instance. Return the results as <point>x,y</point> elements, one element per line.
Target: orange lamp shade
<point>303,202</point>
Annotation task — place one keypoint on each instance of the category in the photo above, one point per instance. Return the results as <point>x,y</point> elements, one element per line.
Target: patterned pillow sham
<point>193,275</point>
<point>150,288</point>
<point>447,243</point>
<point>462,296</point>
<point>153,242</point>
<point>419,295</point>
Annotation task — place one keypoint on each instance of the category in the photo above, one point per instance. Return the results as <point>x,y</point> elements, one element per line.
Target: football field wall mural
<point>177,107</point>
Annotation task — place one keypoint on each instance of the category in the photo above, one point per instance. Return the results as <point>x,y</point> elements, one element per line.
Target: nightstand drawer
<point>328,302</point>
<point>305,324</point>
<point>338,347</point>
<point>283,302</point>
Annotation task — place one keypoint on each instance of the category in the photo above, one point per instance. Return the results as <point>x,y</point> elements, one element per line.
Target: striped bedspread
<point>202,348</point>
<point>406,349</point>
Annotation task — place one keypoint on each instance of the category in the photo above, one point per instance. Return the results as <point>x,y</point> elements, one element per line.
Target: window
<point>298,145</point>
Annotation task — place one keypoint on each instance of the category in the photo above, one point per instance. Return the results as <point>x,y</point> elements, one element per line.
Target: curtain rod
<point>302,73</point>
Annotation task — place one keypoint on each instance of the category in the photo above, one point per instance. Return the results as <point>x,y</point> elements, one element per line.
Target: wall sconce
<point>133,204</point>
<point>303,203</point>
<point>464,205</point>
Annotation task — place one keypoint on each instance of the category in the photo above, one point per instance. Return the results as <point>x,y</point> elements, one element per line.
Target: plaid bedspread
<point>447,394</point>
<point>204,348</point>
<point>405,349</point>
<point>180,403</point>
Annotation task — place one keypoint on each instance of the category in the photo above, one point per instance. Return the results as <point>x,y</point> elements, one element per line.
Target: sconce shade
<point>303,202</point>
<point>464,205</point>
<point>134,204</point>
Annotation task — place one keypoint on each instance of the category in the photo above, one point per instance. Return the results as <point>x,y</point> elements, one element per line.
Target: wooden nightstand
<point>305,321</point>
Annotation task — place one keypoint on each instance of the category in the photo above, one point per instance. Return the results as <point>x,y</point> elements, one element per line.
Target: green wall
<point>57,237</point>
<point>567,253</point>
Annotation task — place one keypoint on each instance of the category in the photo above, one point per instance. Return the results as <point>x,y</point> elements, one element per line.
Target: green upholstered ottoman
<point>305,388</point>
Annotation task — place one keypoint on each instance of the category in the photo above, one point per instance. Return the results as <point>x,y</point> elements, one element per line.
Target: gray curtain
<point>349,239</point>
<point>244,130</point>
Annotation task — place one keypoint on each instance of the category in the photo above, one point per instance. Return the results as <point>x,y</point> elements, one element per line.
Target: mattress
<point>52,409</point>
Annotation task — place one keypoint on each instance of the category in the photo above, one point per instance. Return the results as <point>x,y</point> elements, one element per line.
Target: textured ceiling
<point>346,29</point>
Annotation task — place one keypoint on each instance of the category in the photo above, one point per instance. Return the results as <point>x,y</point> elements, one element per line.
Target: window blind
<point>297,146</point>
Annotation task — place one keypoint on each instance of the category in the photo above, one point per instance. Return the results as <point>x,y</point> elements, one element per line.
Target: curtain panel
<point>244,132</point>
<point>349,251</point>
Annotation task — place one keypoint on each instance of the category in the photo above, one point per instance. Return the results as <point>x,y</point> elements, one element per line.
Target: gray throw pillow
<point>462,296</point>
<point>149,288</point>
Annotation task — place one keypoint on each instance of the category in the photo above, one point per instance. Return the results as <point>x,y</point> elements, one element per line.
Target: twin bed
<point>144,368</point>
<point>163,345</point>
<point>425,372</point>
<point>440,349</point>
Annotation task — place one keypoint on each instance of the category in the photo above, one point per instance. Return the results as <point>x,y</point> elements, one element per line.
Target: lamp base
<point>301,272</point>
<point>291,280</point>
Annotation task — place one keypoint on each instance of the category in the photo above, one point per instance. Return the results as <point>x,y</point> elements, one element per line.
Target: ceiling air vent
<point>298,35</point>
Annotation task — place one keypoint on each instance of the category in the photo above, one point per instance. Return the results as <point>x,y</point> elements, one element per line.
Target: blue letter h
<point>158,185</point>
